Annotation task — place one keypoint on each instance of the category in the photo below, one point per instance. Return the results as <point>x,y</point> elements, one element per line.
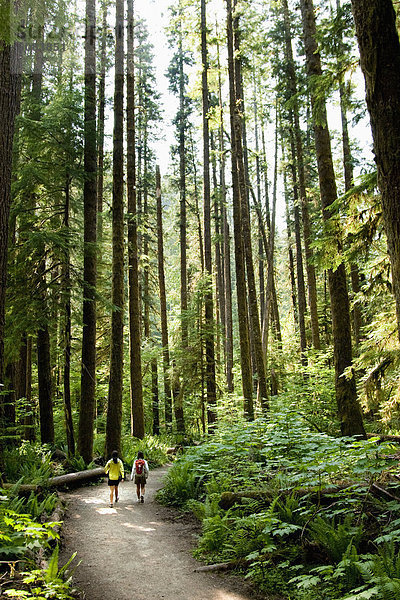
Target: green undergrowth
<point>302,513</point>
<point>26,531</point>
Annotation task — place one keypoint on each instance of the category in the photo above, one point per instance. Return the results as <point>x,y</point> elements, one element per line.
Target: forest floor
<point>138,551</point>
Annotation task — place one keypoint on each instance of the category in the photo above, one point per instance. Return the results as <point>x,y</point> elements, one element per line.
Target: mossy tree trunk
<point>346,395</point>
<point>379,45</point>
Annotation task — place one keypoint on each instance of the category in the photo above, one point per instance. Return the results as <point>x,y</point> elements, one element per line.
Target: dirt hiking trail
<point>137,551</point>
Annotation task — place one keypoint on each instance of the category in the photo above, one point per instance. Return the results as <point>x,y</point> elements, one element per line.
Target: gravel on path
<point>137,551</point>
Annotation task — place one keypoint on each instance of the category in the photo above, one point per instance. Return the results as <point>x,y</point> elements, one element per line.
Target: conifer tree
<point>346,396</point>
<point>137,411</point>
<point>114,409</point>
<point>379,45</point>
<point>88,373</point>
<point>237,217</point>
<point>208,300</point>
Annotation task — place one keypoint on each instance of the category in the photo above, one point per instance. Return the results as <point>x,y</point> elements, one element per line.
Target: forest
<point>239,299</point>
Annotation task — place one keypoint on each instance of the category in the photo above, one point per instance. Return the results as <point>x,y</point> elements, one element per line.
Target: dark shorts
<point>113,482</point>
<point>140,479</point>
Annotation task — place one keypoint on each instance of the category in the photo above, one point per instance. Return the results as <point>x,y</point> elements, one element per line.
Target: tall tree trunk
<point>219,257</point>
<point>155,397</point>
<point>163,306</point>
<point>88,372</point>
<point>244,186</point>
<point>348,183</point>
<point>292,86</point>
<point>182,197</point>
<point>208,299</point>
<point>45,386</point>
<point>261,253</point>
<point>226,245</point>
<point>29,419</point>
<point>291,259</point>
<point>346,396</point>
<point>137,410</point>
<point>100,126</point>
<point>114,411</point>
<point>271,304</point>
<point>379,45</point>
<point>241,291</point>
<point>10,91</point>
<point>301,290</point>
<point>69,425</point>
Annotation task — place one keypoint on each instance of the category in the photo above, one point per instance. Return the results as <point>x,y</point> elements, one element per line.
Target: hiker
<point>115,471</point>
<point>140,470</point>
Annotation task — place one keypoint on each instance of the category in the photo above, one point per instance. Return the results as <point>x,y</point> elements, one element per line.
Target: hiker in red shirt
<point>140,472</point>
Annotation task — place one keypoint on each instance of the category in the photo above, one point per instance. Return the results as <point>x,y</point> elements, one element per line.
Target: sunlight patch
<point>138,527</point>
<point>106,511</point>
<point>224,595</point>
<point>93,500</point>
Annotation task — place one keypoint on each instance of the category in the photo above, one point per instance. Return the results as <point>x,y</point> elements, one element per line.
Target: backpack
<point>139,464</point>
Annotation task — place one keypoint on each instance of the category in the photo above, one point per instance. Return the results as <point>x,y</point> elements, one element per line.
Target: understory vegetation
<point>29,535</point>
<point>300,512</point>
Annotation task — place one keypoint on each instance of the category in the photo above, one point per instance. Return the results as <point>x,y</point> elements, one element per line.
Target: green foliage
<point>21,534</point>
<point>76,463</point>
<point>282,536</point>
<point>43,584</point>
<point>182,483</point>
<point>334,537</point>
<point>154,449</point>
<point>29,463</point>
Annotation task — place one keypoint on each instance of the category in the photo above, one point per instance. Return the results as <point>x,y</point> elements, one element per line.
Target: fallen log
<point>229,499</point>
<point>72,478</point>
<point>59,481</point>
<point>227,566</point>
<point>384,437</point>
<point>24,489</point>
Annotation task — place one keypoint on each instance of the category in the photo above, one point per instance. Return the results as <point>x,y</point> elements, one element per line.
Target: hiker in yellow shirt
<point>115,471</point>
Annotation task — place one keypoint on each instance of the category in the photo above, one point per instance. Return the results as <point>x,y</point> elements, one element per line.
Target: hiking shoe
<point>116,499</point>
<point>142,499</point>
<point>111,504</point>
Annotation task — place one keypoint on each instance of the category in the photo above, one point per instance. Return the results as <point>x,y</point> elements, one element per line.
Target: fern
<point>336,539</point>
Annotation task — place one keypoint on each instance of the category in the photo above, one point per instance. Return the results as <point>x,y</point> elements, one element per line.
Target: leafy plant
<point>334,537</point>
<point>42,584</point>
<point>29,463</point>
<point>181,484</point>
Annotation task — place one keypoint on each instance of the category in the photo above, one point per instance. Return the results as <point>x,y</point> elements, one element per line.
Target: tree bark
<point>100,127</point>
<point>114,410</point>
<point>69,425</point>
<point>241,292</point>
<point>137,410</point>
<point>301,289</point>
<point>226,246</point>
<point>292,86</point>
<point>379,46</point>
<point>10,91</point>
<point>155,397</point>
<point>45,386</point>
<point>163,307</point>
<point>208,299</point>
<point>244,186</point>
<point>88,372</point>
<point>346,396</point>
